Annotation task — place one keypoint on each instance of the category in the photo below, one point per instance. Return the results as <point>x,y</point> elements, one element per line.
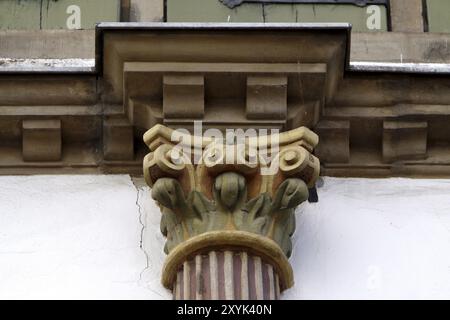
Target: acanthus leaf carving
<point>213,195</point>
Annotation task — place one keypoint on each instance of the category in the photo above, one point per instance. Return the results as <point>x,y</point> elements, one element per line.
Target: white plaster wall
<point>79,237</point>
<point>71,237</point>
<point>374,239</point>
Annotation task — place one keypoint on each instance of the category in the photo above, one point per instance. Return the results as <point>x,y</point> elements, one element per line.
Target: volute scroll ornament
<point>216,209</point>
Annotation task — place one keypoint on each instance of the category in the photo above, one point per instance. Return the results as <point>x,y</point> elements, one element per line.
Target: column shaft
<point>226,275</point>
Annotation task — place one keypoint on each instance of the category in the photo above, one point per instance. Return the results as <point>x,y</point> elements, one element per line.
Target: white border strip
<point>369,66</point>
<point>12,65</point>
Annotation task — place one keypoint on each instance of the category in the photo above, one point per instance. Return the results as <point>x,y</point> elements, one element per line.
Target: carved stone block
<point>118,139</point>
<point>334,146</point>
<point>183,96</point>
<point>266,97</point>
<point>245,203</point>
<point>41,140</point>
<point>404,140</point>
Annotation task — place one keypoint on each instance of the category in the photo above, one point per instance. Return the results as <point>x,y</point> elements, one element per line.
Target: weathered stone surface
<point>47,44</point>
<point>118,140</point>
<point>266,97</point>
<point>400,47</point>
<point>41,140</point>
<point>334,146</point>
<point>246,202</point>
<point>146,10</point>
<point>404,140</point>
<point>46,90</point>
<point>319,88</point>
<point>407,15</point>
<point>184,96</point>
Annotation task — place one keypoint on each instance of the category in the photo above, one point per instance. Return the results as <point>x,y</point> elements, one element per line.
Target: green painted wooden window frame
<point>53,14</point>
<point>360,3</point>
<point>436,19</point>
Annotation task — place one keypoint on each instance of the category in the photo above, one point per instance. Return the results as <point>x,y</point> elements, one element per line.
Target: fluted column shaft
<point>226,275</point>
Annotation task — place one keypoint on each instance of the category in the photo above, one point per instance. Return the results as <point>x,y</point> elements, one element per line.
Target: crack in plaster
<point>142,219</point>
<point>142,222</point>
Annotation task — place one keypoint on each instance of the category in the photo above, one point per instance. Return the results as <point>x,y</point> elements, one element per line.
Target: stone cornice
<point>102,118</point>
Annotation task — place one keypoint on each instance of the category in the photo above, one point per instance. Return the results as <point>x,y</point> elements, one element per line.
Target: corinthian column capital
<point>228,209</point>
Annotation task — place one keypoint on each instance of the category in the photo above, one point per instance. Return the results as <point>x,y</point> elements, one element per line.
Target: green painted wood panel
<point>19,14</point>
<point>438,15</point>
<point>214,11</point>
<point>357,16</point>
<point>57,14</point>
